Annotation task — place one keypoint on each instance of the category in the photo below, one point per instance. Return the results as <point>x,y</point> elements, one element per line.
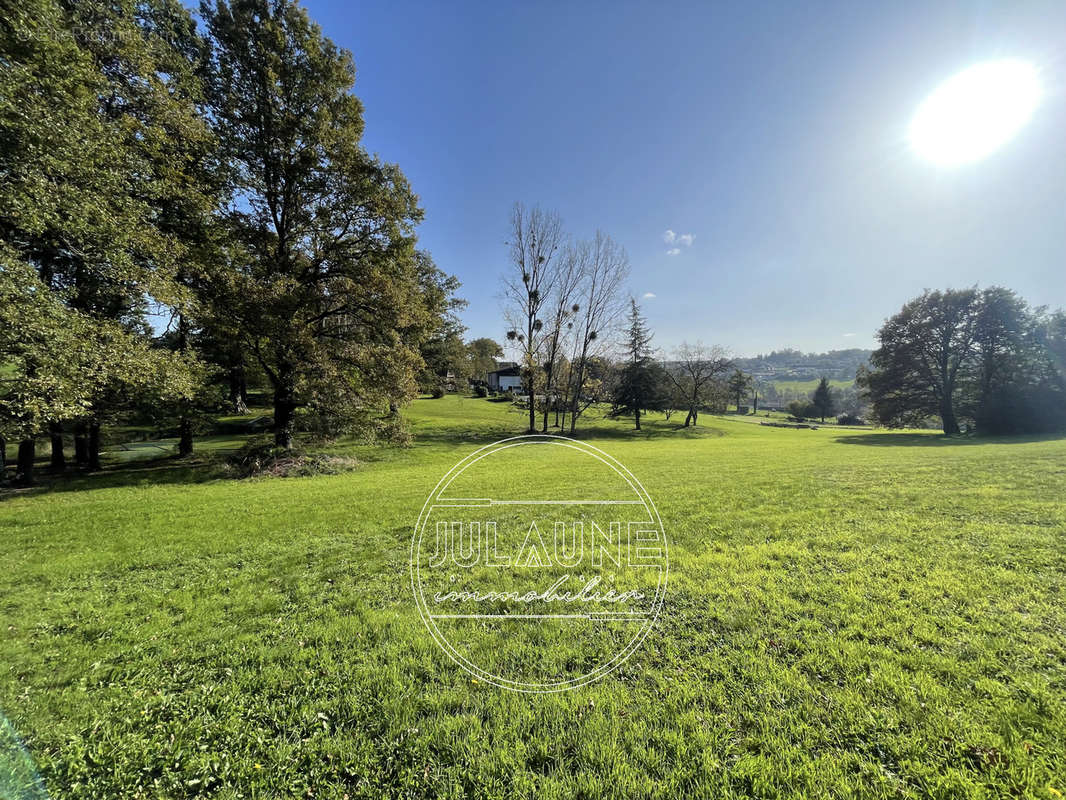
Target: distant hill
<point>792,365</point>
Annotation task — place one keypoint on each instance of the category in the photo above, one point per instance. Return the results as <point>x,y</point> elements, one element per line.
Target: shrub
<point>438,392</point>
<point>481,390</point>
<point>849,419</point>
<point>1016,410</point>
<point>802,409</point>
<point>260,457</point>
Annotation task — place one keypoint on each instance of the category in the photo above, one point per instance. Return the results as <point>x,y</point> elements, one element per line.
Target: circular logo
<point>539,563</point>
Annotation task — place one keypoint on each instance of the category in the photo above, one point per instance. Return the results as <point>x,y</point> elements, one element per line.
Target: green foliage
<point>802,409</point>
<point>641,384</point>
<point>739,384</point>
<point>982,357</point>
<point>823,399</point>
<point>102,152</point>
<point>482,354</point>
<point>322,280</point>
<point>60,361</point>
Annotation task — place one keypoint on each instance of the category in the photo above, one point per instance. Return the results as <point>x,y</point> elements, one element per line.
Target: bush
<point>481,390</point>
<point>802,409</point>
<point>259,456</point>
<point>1016,410</point>
<point>849,419</point>
<point>438,392</point>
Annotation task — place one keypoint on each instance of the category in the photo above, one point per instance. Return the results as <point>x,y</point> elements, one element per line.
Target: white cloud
<point>846,335</point>
<point>649,295</point>
<point>677,239</point>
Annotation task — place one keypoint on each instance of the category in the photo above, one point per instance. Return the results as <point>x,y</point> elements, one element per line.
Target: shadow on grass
<point>169,469</point>
<point>652,430</point>
<point>595,430</point>
<point>146,472</point>
<point>939,439</point>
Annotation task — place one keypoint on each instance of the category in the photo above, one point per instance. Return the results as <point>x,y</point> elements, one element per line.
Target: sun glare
<point>975,112</point>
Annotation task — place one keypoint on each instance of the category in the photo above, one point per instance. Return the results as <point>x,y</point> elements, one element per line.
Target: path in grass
<point>849,613</point>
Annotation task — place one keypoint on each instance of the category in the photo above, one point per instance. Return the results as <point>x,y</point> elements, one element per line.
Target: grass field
<point>850,613</point>
<point>784,385</point>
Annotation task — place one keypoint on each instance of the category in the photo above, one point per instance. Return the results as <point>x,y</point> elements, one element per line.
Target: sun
<point>975,112</point>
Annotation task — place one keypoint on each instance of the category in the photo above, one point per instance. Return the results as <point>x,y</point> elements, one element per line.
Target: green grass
<point>850,613</point>
<point>784,384</point>
<point>810,385</point>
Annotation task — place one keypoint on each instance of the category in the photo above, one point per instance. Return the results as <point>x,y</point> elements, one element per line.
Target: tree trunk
<point>59,459</point>
<point>24,466</point>
<point>693,415</point>
<point>81,445</point>
<point>185,437</point>
<point>94,446</point>
<point>636,417</point>
<point>532,407</point>
<point>947,416</point>
<point>238,388</point>
<point>577,393</point>
<point>284,416</point>
<point>184,422</point>
<point>3,460</point>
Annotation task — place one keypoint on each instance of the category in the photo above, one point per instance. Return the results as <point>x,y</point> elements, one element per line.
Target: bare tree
<point>695,371</point>
<point>562,309</point>
<point>536,237</point>
<point>605,268</point>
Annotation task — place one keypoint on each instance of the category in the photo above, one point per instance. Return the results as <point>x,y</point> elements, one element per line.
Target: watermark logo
<point>539,563</point>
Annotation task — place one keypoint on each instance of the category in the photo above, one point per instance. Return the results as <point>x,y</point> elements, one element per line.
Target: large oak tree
<point>322,280</point>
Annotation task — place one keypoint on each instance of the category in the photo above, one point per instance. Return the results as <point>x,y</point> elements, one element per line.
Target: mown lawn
<point>850,613</point>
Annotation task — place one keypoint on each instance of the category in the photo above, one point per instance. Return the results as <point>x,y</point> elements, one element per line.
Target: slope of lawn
<point>850,613</point>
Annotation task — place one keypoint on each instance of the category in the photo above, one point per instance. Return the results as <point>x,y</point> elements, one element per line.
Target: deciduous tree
<point>323,282</point>
<point>925,351</point>
<point>693,372</point>
<point>535,242</point>
<point>600,305</point>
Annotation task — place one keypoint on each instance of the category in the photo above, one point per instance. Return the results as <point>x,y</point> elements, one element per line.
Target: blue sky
<point>772,135</point>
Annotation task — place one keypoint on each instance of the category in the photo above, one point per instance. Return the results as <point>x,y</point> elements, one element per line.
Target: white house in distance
<point>505,379</point>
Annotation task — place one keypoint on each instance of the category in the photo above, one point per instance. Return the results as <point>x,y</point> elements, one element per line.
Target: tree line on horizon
<point>979,360</point>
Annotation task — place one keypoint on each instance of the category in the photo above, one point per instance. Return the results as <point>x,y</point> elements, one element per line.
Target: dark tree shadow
<point>202,467</point>
<point>145,472</point>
